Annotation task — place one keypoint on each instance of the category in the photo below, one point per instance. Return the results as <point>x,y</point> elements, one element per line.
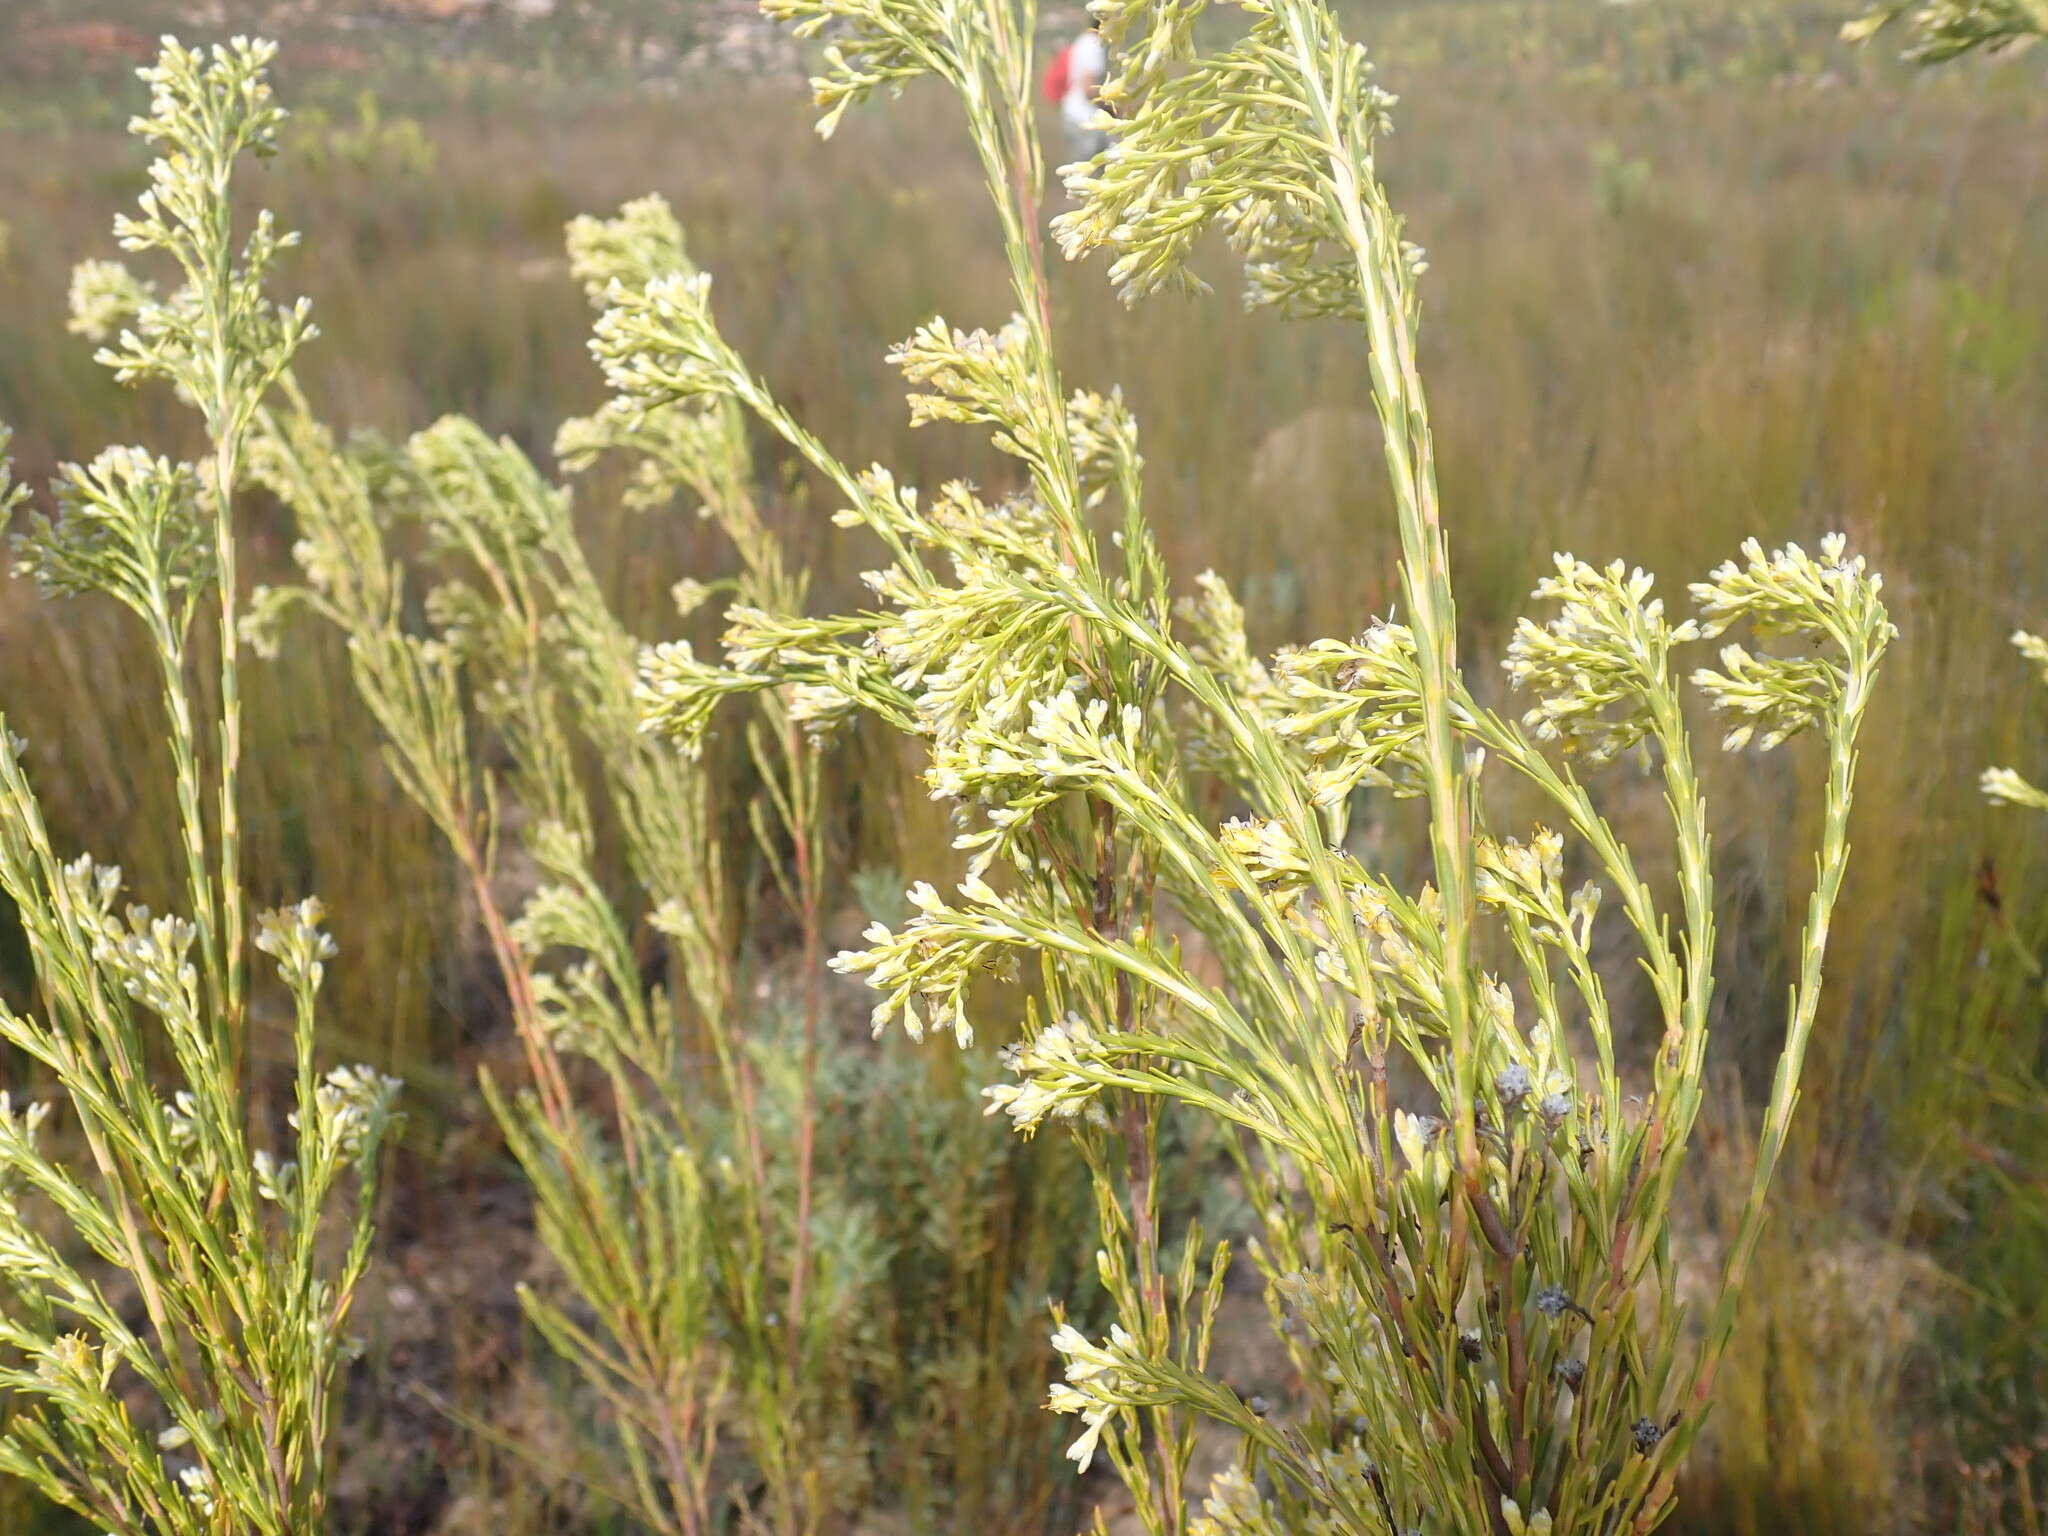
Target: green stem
<point>1367,228</point>
<point>1833,864</point>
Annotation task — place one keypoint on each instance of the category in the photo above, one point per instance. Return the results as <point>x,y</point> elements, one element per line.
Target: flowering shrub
<point>743,1233</point>
<point>1462,1167</point>
<point>1464,1189</point>
<point>205,1406</point>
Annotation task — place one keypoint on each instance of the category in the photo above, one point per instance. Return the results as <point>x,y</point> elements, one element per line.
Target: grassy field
<point>1696,275</point>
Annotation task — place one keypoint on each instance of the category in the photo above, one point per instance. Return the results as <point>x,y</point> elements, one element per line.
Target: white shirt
<point>1087,63</point>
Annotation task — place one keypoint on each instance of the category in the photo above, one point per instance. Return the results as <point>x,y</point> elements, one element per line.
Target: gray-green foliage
<point>174,1317</point>
<point>1465,1191</point>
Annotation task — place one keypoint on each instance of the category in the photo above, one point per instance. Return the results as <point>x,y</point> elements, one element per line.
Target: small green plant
<point>1621,183</point>
<point>395,145</point>
<point>1464,1190</point>
<point>193,1395</point>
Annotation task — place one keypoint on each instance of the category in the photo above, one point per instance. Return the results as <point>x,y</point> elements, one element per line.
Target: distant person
<point>1074,79</point>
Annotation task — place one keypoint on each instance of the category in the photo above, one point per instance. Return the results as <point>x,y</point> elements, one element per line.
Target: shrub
<point>791,1304</point>
<point>1464,1194</point>
<point>194,1395</point>
<point>1463,1185</point>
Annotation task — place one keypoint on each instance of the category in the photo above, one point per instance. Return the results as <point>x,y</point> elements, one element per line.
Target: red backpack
<point>1054,85</point>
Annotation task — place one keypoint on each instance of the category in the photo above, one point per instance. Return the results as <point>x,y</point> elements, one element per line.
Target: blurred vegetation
<point>1699,271</point>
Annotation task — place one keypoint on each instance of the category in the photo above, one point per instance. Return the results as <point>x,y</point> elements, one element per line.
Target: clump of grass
<point>197,1396</point>
<point>1970,1122</point>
